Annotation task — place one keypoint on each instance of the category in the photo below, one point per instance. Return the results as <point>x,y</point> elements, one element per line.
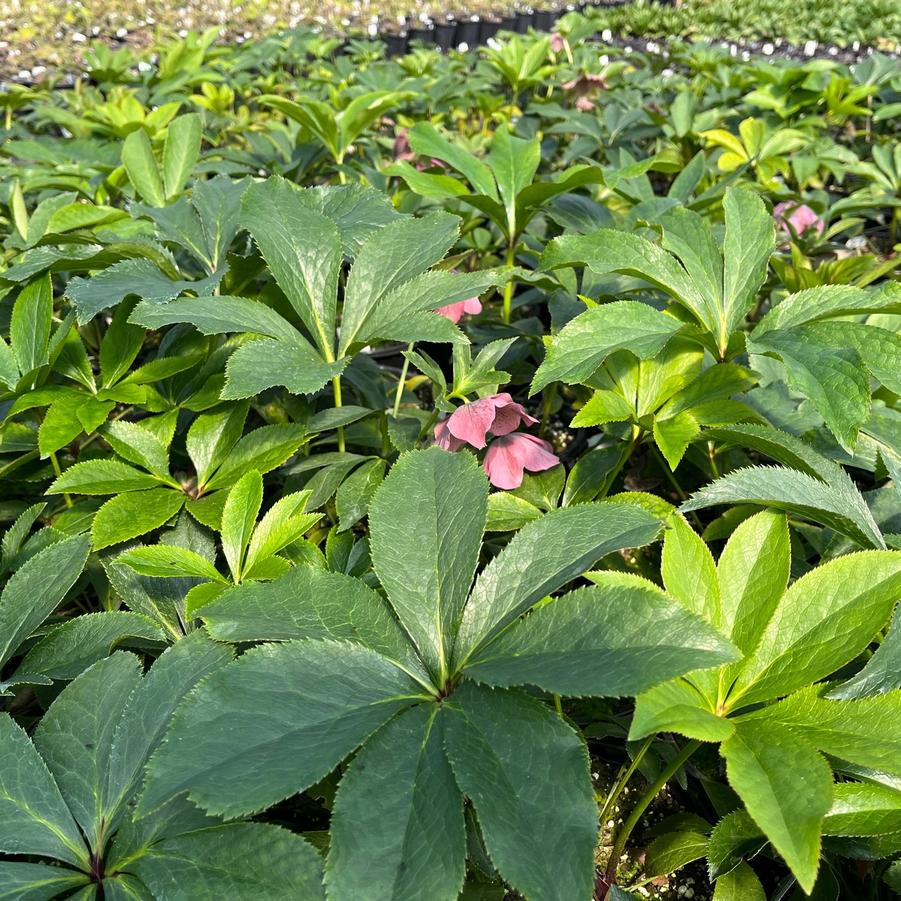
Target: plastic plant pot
<point>396,43</point>
<point>468,31</point>
<point>446,35</point>
<point>488,28</point>
<point>524,19</point>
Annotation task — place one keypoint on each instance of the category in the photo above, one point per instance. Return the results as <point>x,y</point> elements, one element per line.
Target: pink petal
<point>444,439</point>
<point>471,422</point>
<point>453,311</point>
<point>509,416</point>
<point>584,104</point>
<point>557,42</point>
<point>510,455</point>
<point>473,306</point>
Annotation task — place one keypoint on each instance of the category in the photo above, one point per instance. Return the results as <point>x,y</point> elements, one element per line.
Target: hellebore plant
<point>431,682</point>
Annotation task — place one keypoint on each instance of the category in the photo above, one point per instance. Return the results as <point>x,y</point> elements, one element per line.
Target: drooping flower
<point>583,87</point>
<point>797,215</point>
<point>497,415</point>
<point>510,456</point>
<point>444,439</point>
<point>402,149</point>
<point>558,42</point>
<point>455,311</point>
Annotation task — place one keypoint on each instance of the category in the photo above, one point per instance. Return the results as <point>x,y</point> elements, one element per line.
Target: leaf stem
<point>66,497</point>
<point>336,389</point>
<point>625,775</point>
<point>509,260</point>
<point>400,384</point>
<point>653,789</point>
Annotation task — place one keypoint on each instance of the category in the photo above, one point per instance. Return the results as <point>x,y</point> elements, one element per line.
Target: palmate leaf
<point>442,499</point>
<point>411,843</point>
<point>787,789</point>
<point>540,833</point>
<point>584,343</point>
<point>273,723</point>
<point>814,487</point>
<point>848,599</point>
<point>618,638</point>
<point>543,556</point>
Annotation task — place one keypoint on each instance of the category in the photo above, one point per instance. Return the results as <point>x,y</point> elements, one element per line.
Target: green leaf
<point>688,571</point>
<point>239,516</point>
<point>426,141</point>
<point>237,860</point>
<point>602,407</point>
<point>258,365</point>
<point>866,731</point>
<point>29,328</point>
<point>584,343</point>
<point>542,557</point>
<point>507,512</point>
<point>34,818</point>
<point>310,603</point>
<point>390,258</point>
<point>262,449</point>
<point>674,434</point>
<point>540,833</point>
<point>136,513</point>
<point>440,498</point>
<point>863,808</point>
<point>37,881</point>
<point>101,477</point>
<point>225,314</point>
<point>282,524</point>
<point>173,675</point>
<point>608,250</point>
<point>834,379</point>
<point>824,620</point>
<point>75,737</point>
<point>514,162</point>
<point>672,851</point>
<point>740,884</point>
<point>272,723</point>
<point>749,243</point>
<point>140,164</point>
<point>137,444</point>
<point>211,437</point>
<point>355,493</point>
<point>303,251</point>
<point>882,672</point>
<point>72,646</point>
<point>678,706</point>
<point>36,589</point>
<point>181,151</point>
<point>166,561</point>
<point>619,638</point>
<point>787,789</point>
<point>411,842</point>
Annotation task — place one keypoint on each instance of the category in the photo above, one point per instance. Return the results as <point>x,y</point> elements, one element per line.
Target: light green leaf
<point>166,561</point>
<point>542,557</point>
<point>140,164</point>
<point>602,407</point>
<point>239,516</point>
<point>584,343</point>
<point>540,833</point>
<point>409,843</point>
<point>674,434</point>
<point>211,437</point>
<point>137,444</point>
<point>618,638</point>
<point>426,141</point>
<point>824,620</point>
<point>272,723</point>
<point>262,449</point>
<point>672,851</point>
<point>678,706</point>
<point>514,162</point>
<point>181,151</point>
<point>102,477</point>
<point>740,884</point>
<point>787,789</point>
<point>441,498</point>
<point>283,523</point>
<point>688,571</point>
<point>136,513</point>
<point>29,328</point>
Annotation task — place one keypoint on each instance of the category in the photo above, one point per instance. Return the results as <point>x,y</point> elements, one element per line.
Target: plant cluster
<point>420,475</point>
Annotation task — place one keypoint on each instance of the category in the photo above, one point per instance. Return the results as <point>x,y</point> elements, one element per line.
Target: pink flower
<point>498,415</point>
<point>801,218</point>
<point>455,311</point>
<point>402,149</point>
<point>558,42</point>
<point>509,456</point>
<point>584,104</point>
